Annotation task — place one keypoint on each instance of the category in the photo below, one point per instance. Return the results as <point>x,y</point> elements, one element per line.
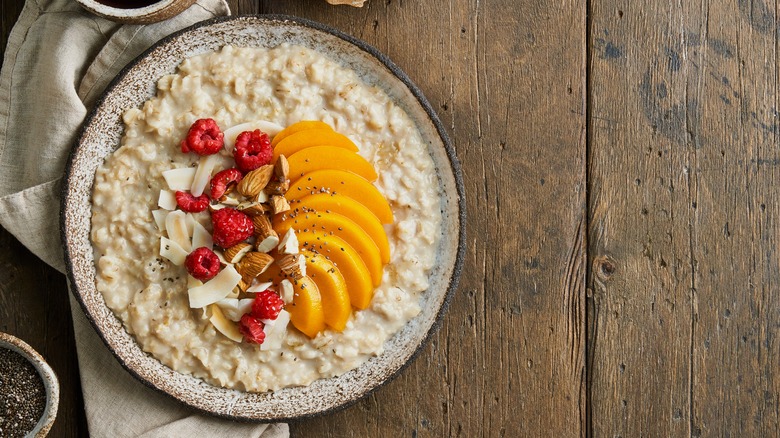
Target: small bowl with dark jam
<point>136,11</point>
<point>29,390</point>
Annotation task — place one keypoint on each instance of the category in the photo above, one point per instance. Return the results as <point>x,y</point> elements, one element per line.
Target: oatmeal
<point>236,88</point>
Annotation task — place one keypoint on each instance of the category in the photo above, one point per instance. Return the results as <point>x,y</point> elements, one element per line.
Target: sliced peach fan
<point>310,138</point>
<point>343,183</point>
<point>329,157</point>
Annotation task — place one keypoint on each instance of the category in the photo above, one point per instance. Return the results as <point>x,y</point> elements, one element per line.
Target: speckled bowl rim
<point>48,377</point>
<point>459,212</point>
<point>153,13</point>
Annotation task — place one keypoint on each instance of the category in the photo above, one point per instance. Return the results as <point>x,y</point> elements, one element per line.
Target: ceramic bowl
<point>151,13</point>
<point>50,382</point>
<point>101,135</point>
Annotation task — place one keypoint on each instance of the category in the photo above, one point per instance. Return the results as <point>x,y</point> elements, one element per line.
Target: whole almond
<point>236,252</point>
<point>277,187</point>
<point>282,169</point>
<point>255,181</point>
<point>253,264</point>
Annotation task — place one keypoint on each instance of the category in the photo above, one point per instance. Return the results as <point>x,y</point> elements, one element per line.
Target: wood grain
<point>683,170</point>
<point>511,93</point>
<point>630,147</point>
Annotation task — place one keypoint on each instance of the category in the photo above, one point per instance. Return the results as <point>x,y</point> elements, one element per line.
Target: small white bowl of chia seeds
<point>29,390</point>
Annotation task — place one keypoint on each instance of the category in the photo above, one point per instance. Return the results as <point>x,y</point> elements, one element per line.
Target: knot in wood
<point>605,267</point>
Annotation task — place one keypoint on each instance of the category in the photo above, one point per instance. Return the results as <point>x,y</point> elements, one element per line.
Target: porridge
<point>160,206</point>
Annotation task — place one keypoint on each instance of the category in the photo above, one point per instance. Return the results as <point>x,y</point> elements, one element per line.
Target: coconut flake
<point>201,237</point>
<point>232,133</point>
<point>172,251</point>
<point>234,308</point>
<point>274,331</point>
<point>179,179</point>
<point>286,291</point>
<point>159,218</point>
<point>203,173</point>
<point>215,289</point>
<point>259,287</point>
<point>176,226</point>
<point>224,326</point>
<point>193,282</point>
<point>167,200</point>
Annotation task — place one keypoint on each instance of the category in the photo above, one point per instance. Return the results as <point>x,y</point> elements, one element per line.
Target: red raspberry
<point>231,227</point>
<point>202,264</point>
<point>267,305</point>
<point>252,329</point>
<point>203,138</point>
<point>191,204</point>
<point>253,149</point>
<point>221,181</point>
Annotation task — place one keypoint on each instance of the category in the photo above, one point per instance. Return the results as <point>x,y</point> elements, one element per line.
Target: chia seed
<point>22,395</point>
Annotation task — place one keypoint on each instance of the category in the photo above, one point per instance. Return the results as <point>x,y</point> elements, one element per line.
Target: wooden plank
<point>683,159</point>
<point>507,79</point>
<point>34,307</point>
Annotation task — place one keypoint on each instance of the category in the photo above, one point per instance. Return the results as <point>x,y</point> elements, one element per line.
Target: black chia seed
<point>22,395</point>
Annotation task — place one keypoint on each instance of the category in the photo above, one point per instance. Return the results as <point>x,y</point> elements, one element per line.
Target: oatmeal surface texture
<point>283,85</point>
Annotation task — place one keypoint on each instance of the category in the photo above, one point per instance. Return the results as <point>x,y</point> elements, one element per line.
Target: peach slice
<point>303,125</point>
<point>328,157</point>
<point>333,290</point>
<point>350,208</point>
<point>341,226</point>
<point>344,183</point>
<point>312,137</point>
<point>352,267</point>
<point>306,311</point>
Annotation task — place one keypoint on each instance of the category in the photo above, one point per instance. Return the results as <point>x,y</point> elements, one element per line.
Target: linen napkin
<point>58,61</point>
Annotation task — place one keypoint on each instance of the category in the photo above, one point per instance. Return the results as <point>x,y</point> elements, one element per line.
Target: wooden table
<point>622,277</point>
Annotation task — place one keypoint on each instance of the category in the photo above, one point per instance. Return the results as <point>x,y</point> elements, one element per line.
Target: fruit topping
<point>253,150</point>
<point>203,138</point>
<point>202,264</point>
<point>267,305</point>
<point>191,204</point>
<point>252,329</point>
<point>224,182</point>
<point>231,227</point>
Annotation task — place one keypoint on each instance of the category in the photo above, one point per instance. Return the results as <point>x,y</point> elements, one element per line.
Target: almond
<point>279,204</point>
<point>236,252</point>
<point>255,181</point>
<point>262,225</point>
<point>252,208</point>
<point>290,264</point>
<point>267,243</point>
<point>282,169</point>
<point>277,187</point>
<point>253,264</point>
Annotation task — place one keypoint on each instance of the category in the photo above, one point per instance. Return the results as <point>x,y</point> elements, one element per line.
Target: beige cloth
<point>58,60</point>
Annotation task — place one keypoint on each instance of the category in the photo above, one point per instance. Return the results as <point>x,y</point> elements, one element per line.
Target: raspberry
<point>202,264</point>
<point>253,149</point>
<point>191,204</point>
<point>231,227</point>
<point>267,305</point>
<point>203,138</point>
<point>222,180</point>
<point>252,329</point>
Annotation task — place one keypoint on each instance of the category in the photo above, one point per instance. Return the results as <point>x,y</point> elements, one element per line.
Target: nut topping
<point>293,265</point>
<point>255,181</point>
<point>252,265</point>
<point>279,204</point>
<point>282,169</point>
<point>236,252</point>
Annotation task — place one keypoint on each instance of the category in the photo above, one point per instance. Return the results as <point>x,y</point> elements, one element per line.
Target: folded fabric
<point>58,61</point>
